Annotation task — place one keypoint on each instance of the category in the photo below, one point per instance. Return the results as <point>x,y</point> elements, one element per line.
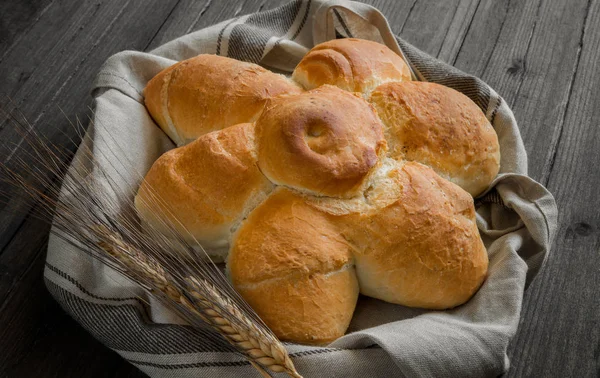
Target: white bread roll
<point>291,264</point>
<point>355,65</point>
<point>325,141</point>
<point>439,127</point>
<point>414,237</point>
<point>205,188</point>
<point>210,92</point>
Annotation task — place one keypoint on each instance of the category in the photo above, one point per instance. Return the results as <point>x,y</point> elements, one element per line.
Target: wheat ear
<point>204,301</point>
<point>88,212</point>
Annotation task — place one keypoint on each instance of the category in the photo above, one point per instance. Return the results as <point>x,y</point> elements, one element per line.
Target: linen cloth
<point>517,220</point>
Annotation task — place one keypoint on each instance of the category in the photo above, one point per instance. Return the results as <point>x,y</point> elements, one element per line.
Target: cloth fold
<point>384,340</point>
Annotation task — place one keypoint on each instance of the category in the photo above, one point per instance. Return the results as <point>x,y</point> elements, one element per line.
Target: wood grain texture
<point>51,64</point>
<point>533,42</point>
<point>540,55</point>
<point>188,16</point>
<point>559,333</point>
<point>60,78</point>
<point>436,27</point>
<point>17,17</point>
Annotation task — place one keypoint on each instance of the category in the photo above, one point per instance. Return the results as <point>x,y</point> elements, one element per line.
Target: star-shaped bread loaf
<point>347,178</point>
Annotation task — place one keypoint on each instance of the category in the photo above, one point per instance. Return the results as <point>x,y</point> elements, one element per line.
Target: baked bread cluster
<point>346,178</point>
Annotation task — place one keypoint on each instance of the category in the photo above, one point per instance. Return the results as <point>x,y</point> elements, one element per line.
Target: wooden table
<point>540,55</point>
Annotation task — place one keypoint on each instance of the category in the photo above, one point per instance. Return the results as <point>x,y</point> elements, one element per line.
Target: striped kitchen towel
<point>517,220</point>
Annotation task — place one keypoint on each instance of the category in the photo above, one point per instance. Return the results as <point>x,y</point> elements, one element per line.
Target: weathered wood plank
<point>532,44</point>
<point>67,58</point>
<point>397,12</point>
<point>459,28</point>
<point>443,39</point>
<point>190,16</point>
<point>559,334</point>
<point>428,35</point>
<point>179,21</point>
<point>55,29</point>
<point>17,17</point>
<point>547,343</point>
<point>221,11</point>
<point>485,33</point>
<point>520,72</point>
<point>28,245</point>
<point>96,31</point>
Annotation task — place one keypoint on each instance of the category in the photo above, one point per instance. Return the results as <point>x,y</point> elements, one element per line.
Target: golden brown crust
<point>315,309</point>
<point>351,64</point>
<point>285,236</point>
<point>208,185</point>
<point>210,92</point>
<point>439,127</point>
<point>326,141</point>
<point>295,269</point>
<point>407,235</point>
<point>153,98</point>
<point>423,249</point>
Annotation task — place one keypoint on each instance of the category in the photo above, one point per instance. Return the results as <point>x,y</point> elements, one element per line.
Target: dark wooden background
<point>540,55</point>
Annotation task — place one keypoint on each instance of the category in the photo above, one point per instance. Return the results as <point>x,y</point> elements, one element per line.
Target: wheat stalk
<point>84,212</point>
<point>206,303</point>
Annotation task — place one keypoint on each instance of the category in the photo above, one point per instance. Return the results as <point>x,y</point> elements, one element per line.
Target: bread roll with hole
<point>292,265</point>
<point>414,238</point>
<point>210,92</point>
<point>439,127</point>
<point>325,141</point>
<point>351,64</point>
<point>204,188</point>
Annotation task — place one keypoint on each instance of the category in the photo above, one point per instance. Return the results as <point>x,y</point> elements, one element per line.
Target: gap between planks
<point>554,143</point>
